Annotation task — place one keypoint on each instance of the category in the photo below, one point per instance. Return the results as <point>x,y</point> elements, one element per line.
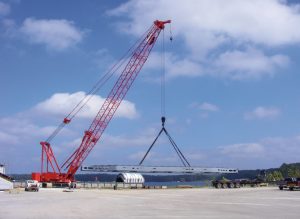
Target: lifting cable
<point>99,84</point>
<point>171,35</point>
<point>182,158</point>
<point>163,78</point>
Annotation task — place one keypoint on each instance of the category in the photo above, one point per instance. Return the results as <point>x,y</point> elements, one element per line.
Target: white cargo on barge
<point>136,178</point>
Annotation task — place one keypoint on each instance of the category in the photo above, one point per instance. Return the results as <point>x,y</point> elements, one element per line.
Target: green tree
<point>270,177</point>
<point>277,175</point>
<point>297,173</point>
<point>274,176</point>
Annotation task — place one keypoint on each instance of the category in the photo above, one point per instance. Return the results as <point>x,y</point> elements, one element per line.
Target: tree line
<point>284,171</point>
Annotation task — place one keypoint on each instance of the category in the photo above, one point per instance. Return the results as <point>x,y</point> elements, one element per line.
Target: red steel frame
<point>102,119</point>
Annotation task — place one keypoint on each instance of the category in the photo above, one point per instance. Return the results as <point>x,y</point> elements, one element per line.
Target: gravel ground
<point>160,203</point>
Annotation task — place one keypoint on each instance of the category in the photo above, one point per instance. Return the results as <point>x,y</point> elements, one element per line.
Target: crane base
<point>51,177</point>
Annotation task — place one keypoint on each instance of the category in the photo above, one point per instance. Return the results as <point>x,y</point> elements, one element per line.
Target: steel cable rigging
<point>182,158</point>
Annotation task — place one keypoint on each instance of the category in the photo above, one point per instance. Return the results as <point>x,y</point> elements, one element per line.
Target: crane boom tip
<point>161,24</point>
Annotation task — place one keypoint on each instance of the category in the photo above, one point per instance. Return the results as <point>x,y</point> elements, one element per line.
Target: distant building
<point>2,169</point>
<point>5,181</point>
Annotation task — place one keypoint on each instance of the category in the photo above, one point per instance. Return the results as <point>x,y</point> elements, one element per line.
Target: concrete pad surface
<point>161,203</point>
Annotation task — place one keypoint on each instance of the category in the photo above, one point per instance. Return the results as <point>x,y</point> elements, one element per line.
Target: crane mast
<point>91,136</point>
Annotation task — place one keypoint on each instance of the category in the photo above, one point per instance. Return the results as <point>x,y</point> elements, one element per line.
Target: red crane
<point>50,170</point>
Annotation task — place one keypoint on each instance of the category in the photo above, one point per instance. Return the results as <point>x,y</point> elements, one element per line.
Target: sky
<point>231,70</point>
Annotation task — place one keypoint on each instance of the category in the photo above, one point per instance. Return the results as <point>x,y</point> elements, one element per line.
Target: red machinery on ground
<point>50,170</point>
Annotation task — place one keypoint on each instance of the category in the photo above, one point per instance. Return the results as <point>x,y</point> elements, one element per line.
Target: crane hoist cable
<point>182,158</point>
<point>171,35</point>
<point>163,77</point>
<point>98,85</point>
<point>163,72</point>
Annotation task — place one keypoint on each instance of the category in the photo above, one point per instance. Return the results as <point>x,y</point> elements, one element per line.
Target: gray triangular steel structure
<point>176,148</point>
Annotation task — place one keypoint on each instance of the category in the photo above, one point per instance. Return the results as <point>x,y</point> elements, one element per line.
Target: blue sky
<point>232,81</point>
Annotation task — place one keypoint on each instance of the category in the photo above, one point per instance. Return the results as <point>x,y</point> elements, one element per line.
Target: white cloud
<point>62,103</point>
<point>282,149</point>
<point>175,66</point>
<point>20,137</point>
<point>55,34</point>
<point>243,20</point>
<point>19,142</point>
<point>205,108</point>
<point>20,134</point>
<point>236,65</point>
<point>208,107</point>
<point>154,158</point>
<point>243,150</point>
<point>126,141</point>
<point>209,28</point>
<point>6,138</point>
<point>138,156</point>
<point>195,156</point>
<point>262,113</point>
<point>103,59</point>
<point>23,128</point>
<point>183,67</point>
<point>4,9</point>
<point>265,153</point>
<point>248,64</point>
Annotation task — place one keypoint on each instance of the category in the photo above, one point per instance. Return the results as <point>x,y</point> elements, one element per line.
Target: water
<point>178,183</point>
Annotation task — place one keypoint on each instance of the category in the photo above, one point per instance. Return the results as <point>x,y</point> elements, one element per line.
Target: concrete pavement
<point>163,203</point>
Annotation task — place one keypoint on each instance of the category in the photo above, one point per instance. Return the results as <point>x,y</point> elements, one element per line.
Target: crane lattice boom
<point>138,58</point>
